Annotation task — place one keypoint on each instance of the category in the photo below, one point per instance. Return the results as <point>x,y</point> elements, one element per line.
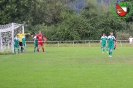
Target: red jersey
<point>40,37</point>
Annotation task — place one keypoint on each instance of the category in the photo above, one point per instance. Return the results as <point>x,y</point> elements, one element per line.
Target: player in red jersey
<point>40,39</point>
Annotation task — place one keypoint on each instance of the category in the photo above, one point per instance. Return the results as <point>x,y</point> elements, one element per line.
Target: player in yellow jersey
<point>20,34</point>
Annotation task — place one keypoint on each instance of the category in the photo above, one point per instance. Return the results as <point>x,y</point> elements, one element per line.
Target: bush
<point>122,35</point>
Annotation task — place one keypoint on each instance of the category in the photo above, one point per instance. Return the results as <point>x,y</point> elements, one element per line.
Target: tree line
<point>58,21</point>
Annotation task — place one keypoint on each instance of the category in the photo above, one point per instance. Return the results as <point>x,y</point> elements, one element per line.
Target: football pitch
<point>68,67</point>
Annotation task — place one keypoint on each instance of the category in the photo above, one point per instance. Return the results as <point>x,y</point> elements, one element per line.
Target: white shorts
<point>131,42</point>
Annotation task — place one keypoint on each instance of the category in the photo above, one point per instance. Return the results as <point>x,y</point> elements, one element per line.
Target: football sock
<point>18,50</point>
<point>34,49</point>
<point>38,50</point>
<point>43,49</point>
<point>21,49</point>
<point>14,50</point>
<point>103,50</point>
<point>111,53</point>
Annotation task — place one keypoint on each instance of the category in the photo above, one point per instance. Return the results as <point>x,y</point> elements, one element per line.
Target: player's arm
<point>45,39</point>
<point>34,37</point>
<point>100,41</point>
<point>27,34</point>
<point>37,37</point>
<point>115,43</point>
<point>23,34</point>
<point>18,34</point>
<point>107,42</point>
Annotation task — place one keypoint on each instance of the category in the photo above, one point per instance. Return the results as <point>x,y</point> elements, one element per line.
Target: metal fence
<point>79,43</point>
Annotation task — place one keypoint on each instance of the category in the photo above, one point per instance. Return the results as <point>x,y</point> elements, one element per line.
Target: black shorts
<point>20,43</point>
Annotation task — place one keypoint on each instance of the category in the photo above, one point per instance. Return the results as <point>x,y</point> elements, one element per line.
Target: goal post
<point>22,28</point>
<point>7,34</point>
<point>0,41</point>
<point>12,37</point>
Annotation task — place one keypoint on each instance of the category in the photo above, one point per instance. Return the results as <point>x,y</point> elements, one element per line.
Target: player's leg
<point>20,44</point>
<point>35,47</point>
<point>23,46</point>
<point>103,46</point>
<point>109,50</point>
<point>38,49</point>
<point>39,45</point>
<point>131,43</point>
<point>43,47</point>
<point>111,53</point>
<point>112,48</point>
<point>18,49</point>
<point>14,49</point>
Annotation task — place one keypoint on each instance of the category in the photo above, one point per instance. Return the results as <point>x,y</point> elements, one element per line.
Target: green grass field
<point>68,67</point>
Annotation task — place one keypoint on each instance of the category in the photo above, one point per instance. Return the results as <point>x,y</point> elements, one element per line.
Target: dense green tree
<point>59,22</point>
<point>14,11</point>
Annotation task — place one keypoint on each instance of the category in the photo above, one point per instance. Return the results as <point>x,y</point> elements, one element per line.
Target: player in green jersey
<point>111,43</point>
<point>23,42</point>
<point>35,42</point>
<point>16,45</point>
<point>103,42</point>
